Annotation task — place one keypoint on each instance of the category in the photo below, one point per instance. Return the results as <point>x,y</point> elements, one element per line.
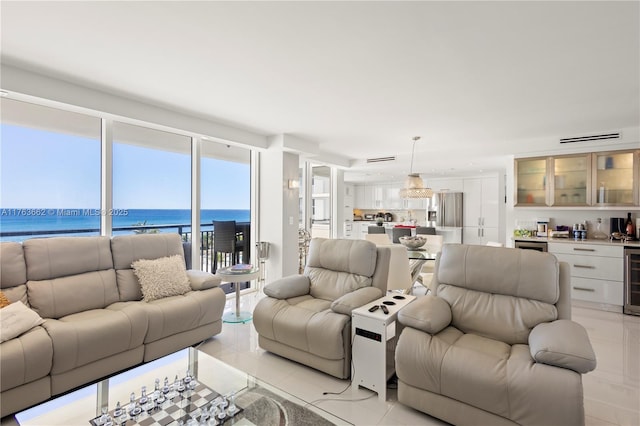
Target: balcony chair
<point>495,344</point>
<point>226,245</point>
<point>307,318</point>
<point>376,230</point>
<point>425,230</point>
<point>396,233</point>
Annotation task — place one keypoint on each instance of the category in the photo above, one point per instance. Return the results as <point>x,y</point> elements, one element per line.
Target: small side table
<point>237,278</point>
<point>374,342</point>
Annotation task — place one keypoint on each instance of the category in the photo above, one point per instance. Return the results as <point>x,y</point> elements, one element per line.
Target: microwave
<point>369,216</point>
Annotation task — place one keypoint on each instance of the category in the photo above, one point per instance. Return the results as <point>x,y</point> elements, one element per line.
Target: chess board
<point>184,406</point>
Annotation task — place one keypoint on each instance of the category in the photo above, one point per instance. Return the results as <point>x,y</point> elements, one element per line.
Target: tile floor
<point>611,392</point>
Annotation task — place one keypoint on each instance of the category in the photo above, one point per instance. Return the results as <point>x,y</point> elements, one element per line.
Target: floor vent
<point>380,159</point>
<point>601,137</point>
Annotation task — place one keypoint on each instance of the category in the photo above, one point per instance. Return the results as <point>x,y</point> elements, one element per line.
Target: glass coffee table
<point>212,382</point>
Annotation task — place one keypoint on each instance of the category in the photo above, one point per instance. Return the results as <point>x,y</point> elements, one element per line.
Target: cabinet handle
<point>583,249</point>
<point>584,266</point>
<point>584,289</point>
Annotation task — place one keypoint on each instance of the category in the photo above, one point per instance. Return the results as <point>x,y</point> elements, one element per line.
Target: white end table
<point>237,278</point>
<point>374,344</point>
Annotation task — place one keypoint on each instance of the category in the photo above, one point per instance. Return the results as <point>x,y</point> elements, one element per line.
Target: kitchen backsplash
<point>420,216</point>
<point>570,217</point>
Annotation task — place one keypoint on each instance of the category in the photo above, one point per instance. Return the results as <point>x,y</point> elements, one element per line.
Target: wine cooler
<point>632,281</point>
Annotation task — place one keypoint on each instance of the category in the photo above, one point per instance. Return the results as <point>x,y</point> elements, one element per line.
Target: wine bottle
<point>630,228</point>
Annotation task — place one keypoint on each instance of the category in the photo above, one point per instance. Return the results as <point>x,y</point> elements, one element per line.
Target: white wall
<point>279,210</point>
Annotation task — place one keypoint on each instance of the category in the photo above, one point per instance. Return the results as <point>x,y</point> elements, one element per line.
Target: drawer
<point>598,291</point>
<point>603,268</point>
<point>586,249</point>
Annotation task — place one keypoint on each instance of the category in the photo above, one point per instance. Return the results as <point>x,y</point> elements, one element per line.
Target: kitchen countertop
<point>572,241</point>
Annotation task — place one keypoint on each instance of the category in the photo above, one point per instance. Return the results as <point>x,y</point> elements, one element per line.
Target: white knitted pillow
<point>162,277</point>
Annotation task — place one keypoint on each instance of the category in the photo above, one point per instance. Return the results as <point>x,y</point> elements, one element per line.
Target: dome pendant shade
<point>413,185</point>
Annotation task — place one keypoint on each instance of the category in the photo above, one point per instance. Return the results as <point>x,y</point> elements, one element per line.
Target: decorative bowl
<point>413,242</point>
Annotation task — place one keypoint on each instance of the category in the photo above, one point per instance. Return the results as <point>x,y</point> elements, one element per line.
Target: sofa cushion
<point>12,264</point>
<point>95,334</point>
<point>505,318</point>
<point>49,258</point>
<point>175,314</point>
<point>63,296</point>
<point>25,358</point>
<point>309,325</point>
<point>351,256</point>
<point>331,285</point>
<point>126,249</point>
<point>512,272</point>
<point>162,277</point>
<point>487,374</point>
<point>17,319</point>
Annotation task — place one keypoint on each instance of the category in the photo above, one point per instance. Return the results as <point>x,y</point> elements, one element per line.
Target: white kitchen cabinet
<point>481,210</point>
<point>596,272</point>
<point>349,202</point>
<point>445,184</point>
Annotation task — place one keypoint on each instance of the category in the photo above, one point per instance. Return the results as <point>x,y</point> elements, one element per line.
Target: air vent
<point>601,137</point>
<point>380,159</point>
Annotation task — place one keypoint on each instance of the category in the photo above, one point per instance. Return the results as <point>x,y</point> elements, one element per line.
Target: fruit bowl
<point>413,242</point>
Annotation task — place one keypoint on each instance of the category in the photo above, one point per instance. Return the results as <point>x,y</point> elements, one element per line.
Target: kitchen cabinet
<point>615,176</point>
<point>582,180</point>
<point>531,181</point>
<point>349,200</point>
<point>481,210</point>
<point>596,272</point>
<point>571,180</point>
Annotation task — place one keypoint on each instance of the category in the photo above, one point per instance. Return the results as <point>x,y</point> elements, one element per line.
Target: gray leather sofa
<point>95,322</point>
<point>495,344</point>
<point>307,318</point>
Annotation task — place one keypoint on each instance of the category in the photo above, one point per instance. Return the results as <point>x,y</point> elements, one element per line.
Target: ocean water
<point>47,219</point>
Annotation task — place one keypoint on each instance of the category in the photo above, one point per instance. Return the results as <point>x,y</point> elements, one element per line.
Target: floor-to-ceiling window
<point>49,172</point>
<point>225,196</point>
<point>151,181</point>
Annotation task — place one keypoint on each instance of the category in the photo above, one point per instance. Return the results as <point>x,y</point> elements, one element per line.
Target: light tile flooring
<point>611,392</point>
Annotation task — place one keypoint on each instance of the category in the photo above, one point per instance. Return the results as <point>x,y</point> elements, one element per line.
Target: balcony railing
<point>206,238</point>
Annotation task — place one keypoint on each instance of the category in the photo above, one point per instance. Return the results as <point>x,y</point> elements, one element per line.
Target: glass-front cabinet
<point>531,181</point>
<point>579,180</point>
<point>571,180</point>
<point>615,178</point>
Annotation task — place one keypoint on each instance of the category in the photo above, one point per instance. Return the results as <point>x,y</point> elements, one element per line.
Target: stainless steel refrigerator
<point>445,209</point>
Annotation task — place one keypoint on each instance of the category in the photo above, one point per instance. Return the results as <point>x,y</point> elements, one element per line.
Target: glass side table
<point>237,277</point>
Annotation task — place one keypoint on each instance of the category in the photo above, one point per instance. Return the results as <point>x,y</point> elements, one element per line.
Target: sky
<point>44,169</point>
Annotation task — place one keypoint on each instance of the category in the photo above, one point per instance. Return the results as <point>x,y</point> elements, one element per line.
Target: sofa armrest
<point>287,287</point>
<point>355,299</point>
<point>430,314</point>
<point>201,280</point>
<point>562,343</point>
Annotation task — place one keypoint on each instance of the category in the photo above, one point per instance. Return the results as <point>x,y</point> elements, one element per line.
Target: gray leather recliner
<point>495,344</point>
<point>307,318</point>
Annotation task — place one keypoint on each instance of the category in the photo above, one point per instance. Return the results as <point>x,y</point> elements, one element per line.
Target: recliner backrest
<point>336,267</point>
<point>127,249</point>
<point>66,275</point>
<point>13,272</point>
<point>496,292</point>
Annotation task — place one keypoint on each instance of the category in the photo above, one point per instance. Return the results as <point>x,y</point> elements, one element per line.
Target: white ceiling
<point>477,80</point>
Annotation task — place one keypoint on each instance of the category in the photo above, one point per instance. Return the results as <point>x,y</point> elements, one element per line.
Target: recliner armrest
<point>288,287</point>
<point>202,280</point>
<point>355,299</point>
<point>430,314</point>
<point>562,343</point>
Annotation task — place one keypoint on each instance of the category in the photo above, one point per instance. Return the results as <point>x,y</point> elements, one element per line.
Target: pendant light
<point>413,185</point>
